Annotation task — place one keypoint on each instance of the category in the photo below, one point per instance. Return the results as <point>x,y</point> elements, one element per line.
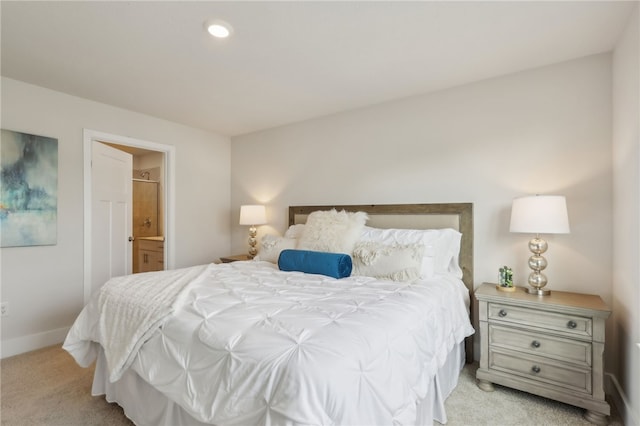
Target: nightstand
<point>551,346</point>
<point>235,258</point>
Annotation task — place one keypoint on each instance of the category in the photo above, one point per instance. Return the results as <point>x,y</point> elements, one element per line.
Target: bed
<point>246,343</point>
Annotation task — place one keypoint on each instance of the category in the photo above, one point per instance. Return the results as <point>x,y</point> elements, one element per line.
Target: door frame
<point>90,136</point>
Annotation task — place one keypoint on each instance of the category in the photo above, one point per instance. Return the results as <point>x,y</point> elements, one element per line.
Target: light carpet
<point>47,387</point>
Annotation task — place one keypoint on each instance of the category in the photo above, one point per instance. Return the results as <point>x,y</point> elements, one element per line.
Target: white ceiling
<point>287,61</point>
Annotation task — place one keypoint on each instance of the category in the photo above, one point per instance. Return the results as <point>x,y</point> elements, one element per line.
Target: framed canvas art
<point>28,189</point>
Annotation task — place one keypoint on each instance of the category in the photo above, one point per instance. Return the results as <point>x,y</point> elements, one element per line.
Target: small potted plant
<point>505,279</point>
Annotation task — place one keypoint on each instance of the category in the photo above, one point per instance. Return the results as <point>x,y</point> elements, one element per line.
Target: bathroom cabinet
<point>150,255</point>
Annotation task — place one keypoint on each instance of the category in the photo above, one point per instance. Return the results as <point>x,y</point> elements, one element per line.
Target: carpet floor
<point>47,387</point>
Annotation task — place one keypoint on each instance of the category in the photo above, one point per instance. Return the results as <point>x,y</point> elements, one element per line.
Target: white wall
<point>44,285</point>
<point>544,131</point>
<point>626,213</point>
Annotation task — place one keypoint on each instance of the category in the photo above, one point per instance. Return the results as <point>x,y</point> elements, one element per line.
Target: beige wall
<point>625,355</point>
<point>44,285</point>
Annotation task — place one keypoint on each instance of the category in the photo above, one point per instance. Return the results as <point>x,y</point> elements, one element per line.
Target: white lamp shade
<point>540,214</point>
<point>253,215</point>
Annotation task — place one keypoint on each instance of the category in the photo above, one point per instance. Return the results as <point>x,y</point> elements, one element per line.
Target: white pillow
<point>393,236</point>
<point>447,249</point>
<point>441,247</point>
<point>294,231</point>
<point>332,231</point>
<point>391,262</point>
<point>271,246</point>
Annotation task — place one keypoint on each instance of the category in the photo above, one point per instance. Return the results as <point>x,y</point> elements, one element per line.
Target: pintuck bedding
<point>244,343</point>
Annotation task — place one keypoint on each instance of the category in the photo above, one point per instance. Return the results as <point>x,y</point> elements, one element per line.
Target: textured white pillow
<point>391,262</point>
<point>441,247</point>
<point>271,246</point>
<point>332,231</point>
<point>294,231</point>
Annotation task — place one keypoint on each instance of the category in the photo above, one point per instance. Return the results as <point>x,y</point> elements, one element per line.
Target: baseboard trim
<point>20,345</point>
<point>621,401</point>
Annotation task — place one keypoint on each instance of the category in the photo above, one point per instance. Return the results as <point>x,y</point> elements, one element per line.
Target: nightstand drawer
<point>574,351</point>
<point>543,370</point>
<point>573,325</point>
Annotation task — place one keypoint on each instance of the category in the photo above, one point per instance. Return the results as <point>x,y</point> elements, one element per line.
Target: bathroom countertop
<point>158,238</point>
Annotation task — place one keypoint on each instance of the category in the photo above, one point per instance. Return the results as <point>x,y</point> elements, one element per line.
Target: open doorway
<point>151,175</point>
<point>147,208</point>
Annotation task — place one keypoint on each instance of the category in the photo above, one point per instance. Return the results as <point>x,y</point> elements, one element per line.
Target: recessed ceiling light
<point>218,29</point>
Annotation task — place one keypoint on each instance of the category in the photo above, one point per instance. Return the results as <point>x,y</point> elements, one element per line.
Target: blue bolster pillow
<point>336,265</point>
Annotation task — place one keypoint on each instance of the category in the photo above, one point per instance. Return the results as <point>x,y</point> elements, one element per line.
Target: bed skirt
<point>146,406</point>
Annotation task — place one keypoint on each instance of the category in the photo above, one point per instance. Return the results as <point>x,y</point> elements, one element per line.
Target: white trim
<point>31,342</point>
<point>621,401</point>
<point>89,136</point>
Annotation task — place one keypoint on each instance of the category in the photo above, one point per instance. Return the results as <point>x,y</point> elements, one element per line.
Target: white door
<point>111,201</point>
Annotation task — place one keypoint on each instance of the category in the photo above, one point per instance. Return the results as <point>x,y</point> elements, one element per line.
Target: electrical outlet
<point>4,309</point>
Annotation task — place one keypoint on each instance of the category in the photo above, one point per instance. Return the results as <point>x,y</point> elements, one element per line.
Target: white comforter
<point>249,344</point>
<point>128,310</point>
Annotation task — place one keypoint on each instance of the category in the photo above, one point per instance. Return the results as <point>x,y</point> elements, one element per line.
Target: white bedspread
<point>249,344</point>
<point>129,309</point>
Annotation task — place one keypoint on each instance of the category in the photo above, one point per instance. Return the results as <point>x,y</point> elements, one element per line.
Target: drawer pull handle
<point>502,313</point>
<point>535,344</point>
<point>572,324</point>
<point>535,369</point>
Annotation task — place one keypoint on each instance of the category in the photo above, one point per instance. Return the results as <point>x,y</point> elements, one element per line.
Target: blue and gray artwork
<point>28,189</point>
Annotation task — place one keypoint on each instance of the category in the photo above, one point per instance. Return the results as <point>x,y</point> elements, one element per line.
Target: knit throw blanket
<point>132,307</point>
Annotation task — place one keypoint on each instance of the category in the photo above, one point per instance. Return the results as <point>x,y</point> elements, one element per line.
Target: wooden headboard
<point>458,216</point>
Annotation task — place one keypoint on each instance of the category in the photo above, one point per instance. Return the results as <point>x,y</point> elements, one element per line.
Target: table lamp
<point>539,214</point>
<point>252,215</point>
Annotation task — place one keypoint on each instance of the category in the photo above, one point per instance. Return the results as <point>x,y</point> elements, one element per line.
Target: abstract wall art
<point>28,189</point>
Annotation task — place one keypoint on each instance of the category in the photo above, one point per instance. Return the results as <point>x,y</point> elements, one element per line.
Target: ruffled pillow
<point>441,247</point>
<point>396,262</point>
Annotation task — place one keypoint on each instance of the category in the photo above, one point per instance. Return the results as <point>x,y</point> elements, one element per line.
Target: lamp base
<point>538,291</point>
<point>537,263</point>
<point>252,242</point>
